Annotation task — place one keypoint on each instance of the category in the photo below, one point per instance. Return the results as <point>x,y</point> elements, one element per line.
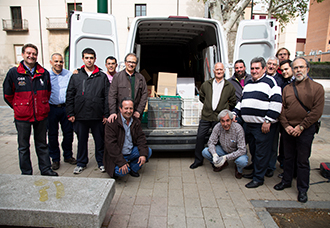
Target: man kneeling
<point>232,144</point>
<point>126,147</point>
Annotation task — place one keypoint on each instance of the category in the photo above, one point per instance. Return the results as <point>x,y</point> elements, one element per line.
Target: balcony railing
<point>15,25</point>
<point>57,23</point>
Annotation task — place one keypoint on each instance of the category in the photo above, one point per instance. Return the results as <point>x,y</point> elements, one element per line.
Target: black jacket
<point>87,96</point>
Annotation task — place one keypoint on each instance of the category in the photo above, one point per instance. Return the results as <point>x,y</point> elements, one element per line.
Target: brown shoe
<point>56,165</point>
<point>237,174</point>
<point>71,161</point>
<point>218,169</point>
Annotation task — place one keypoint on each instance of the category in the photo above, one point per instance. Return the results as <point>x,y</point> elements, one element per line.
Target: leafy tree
<point>230,12</point>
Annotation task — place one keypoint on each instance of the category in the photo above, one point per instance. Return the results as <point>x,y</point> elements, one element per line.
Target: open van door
<point>254,38</point>
<point>92,30</point>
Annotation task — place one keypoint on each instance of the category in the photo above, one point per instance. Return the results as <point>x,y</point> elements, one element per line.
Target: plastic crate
<point>164,112</point>
<point>191,103</point>
<point>191,111</point>
<point>190,121</point>
<point>144,117</point>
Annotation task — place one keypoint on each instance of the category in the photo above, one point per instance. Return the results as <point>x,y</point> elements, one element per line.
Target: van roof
<point>172,29</point>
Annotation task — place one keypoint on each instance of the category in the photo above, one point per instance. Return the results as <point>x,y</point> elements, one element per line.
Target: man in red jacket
<point>26,89</point>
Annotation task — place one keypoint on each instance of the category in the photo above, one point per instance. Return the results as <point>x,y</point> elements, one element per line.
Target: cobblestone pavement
<point>169,194</point>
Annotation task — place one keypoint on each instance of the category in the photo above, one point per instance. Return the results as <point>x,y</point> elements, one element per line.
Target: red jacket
<point>27,94</point>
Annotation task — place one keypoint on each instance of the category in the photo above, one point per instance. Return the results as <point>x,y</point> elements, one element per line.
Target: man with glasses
<point>299,123</point>
<point>59,79</point>
<point>128,83</point>
<point>282,54</point>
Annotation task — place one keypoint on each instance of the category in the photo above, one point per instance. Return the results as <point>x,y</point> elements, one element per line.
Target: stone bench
<point>43,201</point>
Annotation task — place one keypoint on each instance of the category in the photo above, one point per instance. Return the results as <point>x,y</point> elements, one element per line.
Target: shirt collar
<point>125,121</point>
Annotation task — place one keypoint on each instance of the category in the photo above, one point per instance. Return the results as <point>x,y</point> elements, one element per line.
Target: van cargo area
<point>174,45</point>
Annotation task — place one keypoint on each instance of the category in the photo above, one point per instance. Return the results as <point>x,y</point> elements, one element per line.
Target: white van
<point>187,46</point>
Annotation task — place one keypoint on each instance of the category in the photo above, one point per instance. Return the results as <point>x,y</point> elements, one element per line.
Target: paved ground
<point>169,194</point>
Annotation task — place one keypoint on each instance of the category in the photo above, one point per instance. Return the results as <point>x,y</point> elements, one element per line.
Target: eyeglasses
<point>130,62</point>
<point>299,67</point>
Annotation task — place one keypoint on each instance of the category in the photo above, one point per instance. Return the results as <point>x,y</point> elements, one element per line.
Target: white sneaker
<point>78,170</point>
<point>102,169</point>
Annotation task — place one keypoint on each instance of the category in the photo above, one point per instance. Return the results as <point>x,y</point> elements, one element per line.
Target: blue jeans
<point>23,138</point>
<point>55,116</point>
<point>240,162</point>
<point>132,158</point>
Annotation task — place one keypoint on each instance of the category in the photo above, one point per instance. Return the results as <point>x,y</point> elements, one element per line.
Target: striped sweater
<point>261,100</point>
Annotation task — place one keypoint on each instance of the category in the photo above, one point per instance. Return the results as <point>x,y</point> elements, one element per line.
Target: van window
<point>255,32</point>
<point>96,26</point>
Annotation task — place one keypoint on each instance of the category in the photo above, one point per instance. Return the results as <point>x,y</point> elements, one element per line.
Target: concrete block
<point>43,201</point>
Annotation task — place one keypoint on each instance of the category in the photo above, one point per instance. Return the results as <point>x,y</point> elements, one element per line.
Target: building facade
<point>45,23</point>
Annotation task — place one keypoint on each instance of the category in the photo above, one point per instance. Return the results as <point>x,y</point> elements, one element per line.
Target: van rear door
<point>254,38</point>
<point>92,30</point>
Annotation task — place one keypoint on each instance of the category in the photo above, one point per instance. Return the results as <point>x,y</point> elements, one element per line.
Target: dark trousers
<point>260,148</point>
<point>23,138</point>
<point>203,129</point>
<point>273,156</point>
<point>81,127</point>
<point>298,150</point>
<point>280,157</point>
<point>58,115</point>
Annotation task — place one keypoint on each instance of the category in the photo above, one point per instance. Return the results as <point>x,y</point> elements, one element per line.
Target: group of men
<point>79,102</point>
<point>278,100</point>
<point>278,104</point>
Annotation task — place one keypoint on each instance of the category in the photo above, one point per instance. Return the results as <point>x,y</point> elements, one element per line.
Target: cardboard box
<point>146,75</point>
<point>186,87</point>
<point>166,84</point>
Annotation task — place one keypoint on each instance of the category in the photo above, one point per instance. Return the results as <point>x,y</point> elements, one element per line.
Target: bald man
<point>216,94</point>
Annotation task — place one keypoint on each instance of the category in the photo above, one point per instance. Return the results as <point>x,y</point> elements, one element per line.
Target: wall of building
<point>288,37</point>
<point>124,12</point>
<point>318,29</point>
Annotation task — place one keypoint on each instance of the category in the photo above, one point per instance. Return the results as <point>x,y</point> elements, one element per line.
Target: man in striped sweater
<point>259,107</point>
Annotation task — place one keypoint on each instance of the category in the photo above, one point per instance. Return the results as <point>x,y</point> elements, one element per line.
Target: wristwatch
<point>301,127</point>
<point>267,121</point>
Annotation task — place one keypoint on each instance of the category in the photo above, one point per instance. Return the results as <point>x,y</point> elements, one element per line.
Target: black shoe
<point>269,173</point>
<point>195,165</point>
<point>134,174</point>
<point>72,161</point>
<point>280,186</point>
<point>281,175</point>
<point>302,197</point>
<point>249,166</point>
<point>49,173</point>
<point>253,184</point>
<point>248,176</point>
<point>56,165</point>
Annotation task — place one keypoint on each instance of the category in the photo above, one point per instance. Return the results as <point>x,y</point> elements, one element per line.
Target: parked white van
<point>186,46</point>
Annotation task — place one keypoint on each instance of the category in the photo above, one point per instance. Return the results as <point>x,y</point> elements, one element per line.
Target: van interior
<point>175,45</point>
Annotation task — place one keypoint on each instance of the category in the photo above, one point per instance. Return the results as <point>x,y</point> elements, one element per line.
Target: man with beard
<point>299,120</point>
<point>239,78</point>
